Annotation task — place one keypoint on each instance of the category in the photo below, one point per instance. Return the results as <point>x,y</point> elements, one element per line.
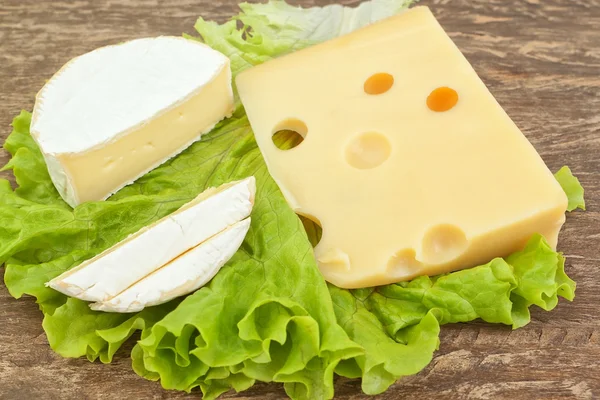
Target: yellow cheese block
<point>408,162</point>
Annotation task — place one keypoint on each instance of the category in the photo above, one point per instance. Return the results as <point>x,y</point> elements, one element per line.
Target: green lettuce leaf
<point>268,315</point>
<point>572,188</point>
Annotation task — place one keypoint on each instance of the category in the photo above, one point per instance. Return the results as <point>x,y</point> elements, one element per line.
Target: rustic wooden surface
<point>541,58</point>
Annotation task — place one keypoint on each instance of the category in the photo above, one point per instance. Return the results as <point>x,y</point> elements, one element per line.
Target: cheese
<point>181,276</point>
<point>408,162</point>
<point>114,270</point>
<point>111,115</point>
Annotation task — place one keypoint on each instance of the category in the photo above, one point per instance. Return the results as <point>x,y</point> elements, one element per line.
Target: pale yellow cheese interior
<point>400,190</point>
<point>107,168</point>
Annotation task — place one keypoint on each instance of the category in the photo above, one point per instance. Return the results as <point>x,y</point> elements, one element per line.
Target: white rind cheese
<point>114,270</point>
<point>111,115</point>
<point>181,276</point>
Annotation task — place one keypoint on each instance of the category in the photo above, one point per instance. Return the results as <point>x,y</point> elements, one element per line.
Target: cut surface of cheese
<point>114,270</point>
<point>183,275</point>
<point>408,162</point>
<point>111,115</point>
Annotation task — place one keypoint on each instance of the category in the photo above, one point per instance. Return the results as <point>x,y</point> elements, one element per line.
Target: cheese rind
<point>114,270</point>
<point>181,276</point>
<point>400,190</point>
<point>111,115</point>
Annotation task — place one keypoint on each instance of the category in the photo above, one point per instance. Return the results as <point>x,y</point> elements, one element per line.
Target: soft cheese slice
<point>111,115</point>
<point>114,270</point>
<point>401,190</point>
<point>181,276</point>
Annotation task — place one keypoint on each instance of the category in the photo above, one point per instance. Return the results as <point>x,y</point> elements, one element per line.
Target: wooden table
<point>541,58</point>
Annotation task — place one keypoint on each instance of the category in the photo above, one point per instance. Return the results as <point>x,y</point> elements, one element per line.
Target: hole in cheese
<point>289,133</point>
<point>313,228</point>
<point>404,264</point>
<point>368,150</point>
<point>442,99</point>
<point>443,243</point>
<point>378,83</point>
<point>333,261</point>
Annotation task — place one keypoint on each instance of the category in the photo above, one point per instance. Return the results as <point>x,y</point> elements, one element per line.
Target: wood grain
<point>541,58</point>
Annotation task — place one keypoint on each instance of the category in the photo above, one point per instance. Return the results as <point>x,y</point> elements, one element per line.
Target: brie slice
<point>181,276</point>
<point>111,272</point>
<point>109,116</point>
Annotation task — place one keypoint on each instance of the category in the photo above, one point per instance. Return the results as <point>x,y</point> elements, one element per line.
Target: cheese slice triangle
<point>185,274</point>
<point>129,261</point>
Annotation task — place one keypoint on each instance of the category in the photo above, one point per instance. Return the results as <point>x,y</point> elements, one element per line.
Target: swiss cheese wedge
<point>130,261</point>
<point>408,162</point>
<point>111,115</point>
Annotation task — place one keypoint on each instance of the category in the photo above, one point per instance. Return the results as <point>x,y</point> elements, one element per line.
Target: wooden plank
<point>540,58</point>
